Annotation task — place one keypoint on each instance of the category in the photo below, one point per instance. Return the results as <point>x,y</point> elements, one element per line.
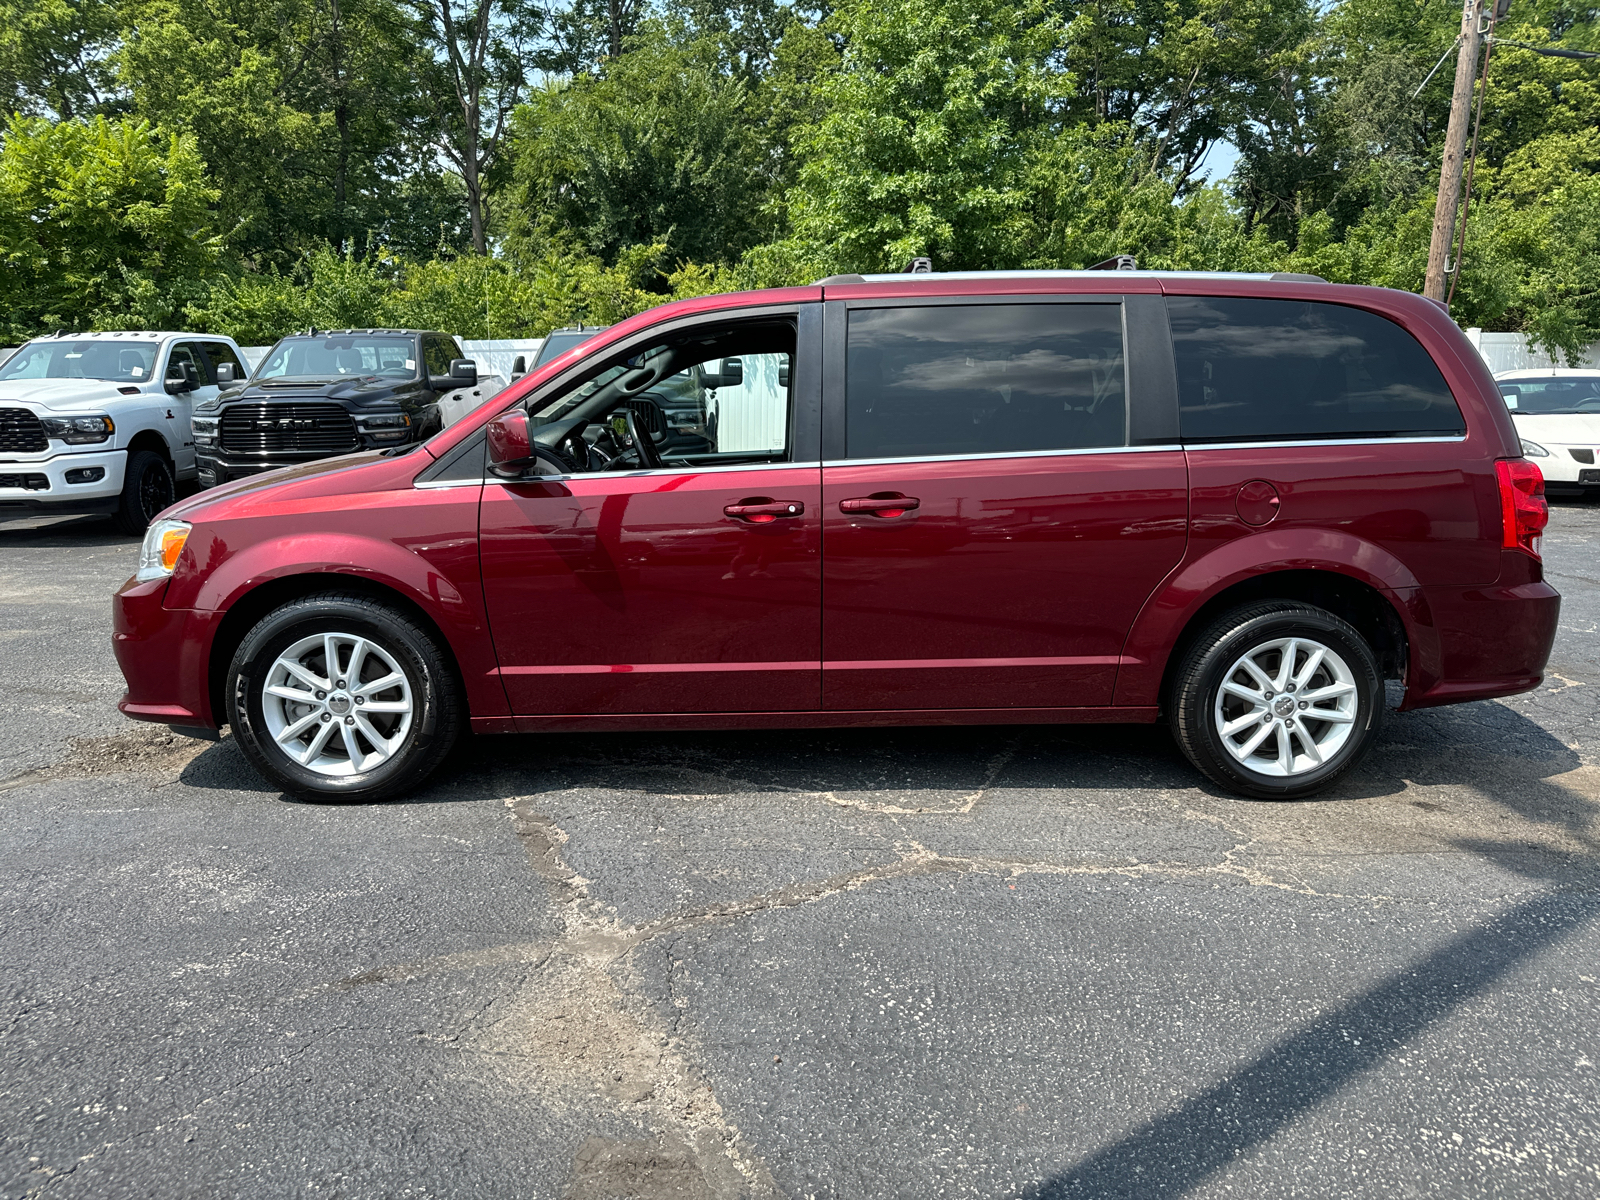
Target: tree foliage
<point>497,166</point>
<point>103,224</point>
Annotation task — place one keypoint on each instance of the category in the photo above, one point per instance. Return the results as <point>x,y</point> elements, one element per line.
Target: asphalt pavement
<point>1002,962</point>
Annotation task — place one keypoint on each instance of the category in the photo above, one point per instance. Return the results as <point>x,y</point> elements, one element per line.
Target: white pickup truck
<point>99,422</point>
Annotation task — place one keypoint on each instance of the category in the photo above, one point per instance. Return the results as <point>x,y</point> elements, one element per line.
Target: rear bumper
<point>163,653</point>
<point>1483,642</point>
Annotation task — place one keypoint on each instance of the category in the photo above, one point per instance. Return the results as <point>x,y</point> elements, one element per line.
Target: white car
<point>99,422</point>
<point>1557,414</point>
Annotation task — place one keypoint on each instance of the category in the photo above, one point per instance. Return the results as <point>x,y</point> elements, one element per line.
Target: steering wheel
<point>649,456</point>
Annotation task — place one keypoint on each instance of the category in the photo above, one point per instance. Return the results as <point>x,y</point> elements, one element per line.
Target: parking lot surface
<point>1000,962</point>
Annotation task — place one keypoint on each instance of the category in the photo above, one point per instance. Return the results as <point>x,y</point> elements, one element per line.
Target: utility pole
<point>1455,142</point>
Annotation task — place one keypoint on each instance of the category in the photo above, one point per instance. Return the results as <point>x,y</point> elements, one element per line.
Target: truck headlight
<point>1534,450</point>
<point>78,431</point>
<point>386,425</point>
<point>163,542</point>
<point>205,431</point>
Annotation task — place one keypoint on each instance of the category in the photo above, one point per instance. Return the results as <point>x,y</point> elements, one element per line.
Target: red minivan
<point>1238,503</point>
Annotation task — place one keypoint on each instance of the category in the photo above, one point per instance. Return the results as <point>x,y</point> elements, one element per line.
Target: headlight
<point>1534,450</point>
<point>163,542</point>
<point>386,425</point>
<point>78,431</point>
<point>205,431</point>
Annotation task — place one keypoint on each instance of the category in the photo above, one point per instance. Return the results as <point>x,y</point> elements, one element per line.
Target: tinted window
<point>219,353</point>
<point>984,379</point>
<point>186,353</point>
<point>1251,370</point>
<point>438,353</point>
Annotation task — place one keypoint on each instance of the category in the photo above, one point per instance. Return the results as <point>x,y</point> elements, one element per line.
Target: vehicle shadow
<point>1175,1152</point>
<point>62,532</point>
<point>1488,747</point>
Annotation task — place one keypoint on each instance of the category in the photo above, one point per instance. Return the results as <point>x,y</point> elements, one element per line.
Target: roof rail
<point>1296,277</point>
<point>1117,262</point>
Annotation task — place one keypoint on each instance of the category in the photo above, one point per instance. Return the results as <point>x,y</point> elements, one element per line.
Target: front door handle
<point>763,510</point>
<point>881,504</point>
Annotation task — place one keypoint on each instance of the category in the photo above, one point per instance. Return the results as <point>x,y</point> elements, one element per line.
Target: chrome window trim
<point>1000,454</point>
<point>783,466</point>
<point>1366,441</point>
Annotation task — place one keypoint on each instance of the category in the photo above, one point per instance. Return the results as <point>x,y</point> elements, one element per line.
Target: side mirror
<point>510,447</point>
<point>731,375</point>
<point>520,366</point>
<point>463,374</point>
<point>224,374</point>
<point>181,377</point>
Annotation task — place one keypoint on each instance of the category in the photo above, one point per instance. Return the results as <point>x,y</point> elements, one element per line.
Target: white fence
<point>1511,352</point>
<point>496,356</point>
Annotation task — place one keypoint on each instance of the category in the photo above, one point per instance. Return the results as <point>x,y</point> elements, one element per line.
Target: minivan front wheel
<point>1277,700</point>
<point>339,696</point>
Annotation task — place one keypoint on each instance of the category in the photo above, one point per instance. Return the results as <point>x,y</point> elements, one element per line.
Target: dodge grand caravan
<point>1238,504</point>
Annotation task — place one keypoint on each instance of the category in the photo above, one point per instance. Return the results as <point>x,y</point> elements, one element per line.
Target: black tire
<point>147,488</point>
<point>1205,668</point>
<point>437,711</point>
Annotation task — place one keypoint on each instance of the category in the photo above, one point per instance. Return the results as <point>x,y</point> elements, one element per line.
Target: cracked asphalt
<point>1001,962</point>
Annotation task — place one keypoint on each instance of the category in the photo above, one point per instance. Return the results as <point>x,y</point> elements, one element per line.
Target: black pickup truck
<point>318,394</point>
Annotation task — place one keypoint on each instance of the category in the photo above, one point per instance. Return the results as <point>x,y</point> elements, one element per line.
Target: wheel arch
<point>1353,600</point>
<point>249,608</point>
<point>149,439</point>
<point>1355,579</point>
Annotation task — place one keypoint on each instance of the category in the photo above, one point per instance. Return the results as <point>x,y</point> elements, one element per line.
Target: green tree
<point>308,113</point>
<point>53,56</point>
<point>106,224</point>
<point>666,147</point>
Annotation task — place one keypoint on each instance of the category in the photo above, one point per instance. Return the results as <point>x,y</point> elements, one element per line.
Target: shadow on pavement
<point>1174,1153</point>
<point>1511,761</point>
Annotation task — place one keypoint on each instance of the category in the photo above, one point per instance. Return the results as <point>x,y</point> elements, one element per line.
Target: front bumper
<point>1564,473</point>
<point>58,494</point>
<point>163,653</point>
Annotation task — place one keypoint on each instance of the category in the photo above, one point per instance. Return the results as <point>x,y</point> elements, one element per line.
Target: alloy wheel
<point>337,703</point>
<point>1286,707</point>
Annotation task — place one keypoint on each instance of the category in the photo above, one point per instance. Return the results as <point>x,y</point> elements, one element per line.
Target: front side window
<point>185,355</point>
<point>707,396</point>
<point>114,361</point>
<point>336,356</point>
<point>1265,370</point>
<point>984,379</point>
<point>219,353</point>
<point>438,352</point>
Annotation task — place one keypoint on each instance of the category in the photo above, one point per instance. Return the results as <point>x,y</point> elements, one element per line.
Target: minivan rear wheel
<point>339,696</point>
<point>1277,700</point>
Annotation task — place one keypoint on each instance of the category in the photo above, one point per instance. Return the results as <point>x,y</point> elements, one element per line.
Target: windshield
<point>1568,396</point>
<point>325,357</point>
<point>562,340</point>
<point>118,362</point>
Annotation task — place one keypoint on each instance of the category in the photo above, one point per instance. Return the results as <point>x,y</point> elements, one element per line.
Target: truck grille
<point>20,432</point>
<point>295,428</point>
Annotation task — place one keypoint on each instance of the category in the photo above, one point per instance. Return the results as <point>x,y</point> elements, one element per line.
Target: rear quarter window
<point>1280,370</point>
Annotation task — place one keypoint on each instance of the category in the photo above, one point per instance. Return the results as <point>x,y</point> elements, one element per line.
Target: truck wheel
<point>147,488</point>
<point>340,697</point>
<point>1277,700</point>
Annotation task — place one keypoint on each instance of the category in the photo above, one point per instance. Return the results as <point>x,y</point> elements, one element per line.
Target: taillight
<point>1523,510</point>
